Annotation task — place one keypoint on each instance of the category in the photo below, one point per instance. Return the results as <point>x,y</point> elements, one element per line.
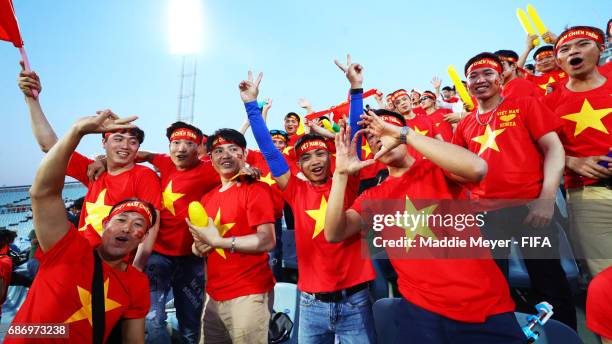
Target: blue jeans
<point>185,275</point>
<point>422,326</point>
<point>351,320</point>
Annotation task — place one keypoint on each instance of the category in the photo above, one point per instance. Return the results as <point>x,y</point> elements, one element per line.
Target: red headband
<point>134,206</point>
<point>543,54</point>
<point>279,137</point>
<point>120,131</point>
<point>398,94</point>
<point>391,120</point>
<point>185,134</point>
<point>484,63</point>
<point>579,33</point>
<point>429,94</point>
<point>507,58</point>
<point>204,140</point>
<point>310,146</point>
<point>221,141</point>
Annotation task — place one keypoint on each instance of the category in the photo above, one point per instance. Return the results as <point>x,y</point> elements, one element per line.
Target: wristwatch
<point>233,248</point>
<point>403,134</point>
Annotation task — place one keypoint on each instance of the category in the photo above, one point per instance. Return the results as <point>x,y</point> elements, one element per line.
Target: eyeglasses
<point>277,132</point>
<point>424,99</point>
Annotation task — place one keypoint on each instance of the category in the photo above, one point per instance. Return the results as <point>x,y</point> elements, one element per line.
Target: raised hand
<point>529,42</point>
<point>549,37</point>
<point>304,103</point>
<point>353,72</point>
<point>249,89</point>
<point>267,107</point>
<point>346,152</point>
<point>28,81</point>
<point>436,82</point>
<point>102,122</point>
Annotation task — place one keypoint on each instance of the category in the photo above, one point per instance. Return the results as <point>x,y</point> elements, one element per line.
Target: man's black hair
<point>508,54</point>
<point>293,114</point>
<point>543,49</point>
<point>229,135</point>
<point>137,132</point>
<point>447,88</point>
<point>182,125</point>
<point>383,112</point>
<point>7,237</point>
<point>149,205</point>
<point>480,57</point>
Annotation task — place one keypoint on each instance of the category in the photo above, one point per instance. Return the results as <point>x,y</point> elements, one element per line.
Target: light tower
<point>185,28</point>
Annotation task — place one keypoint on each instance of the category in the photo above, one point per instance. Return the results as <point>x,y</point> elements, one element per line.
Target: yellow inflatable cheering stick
<point>463,93</point>
<point>535,18</point>
<point>522,17</point>
<point>197,214</point>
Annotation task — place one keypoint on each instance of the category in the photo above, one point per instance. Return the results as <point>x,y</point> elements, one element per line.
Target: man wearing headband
<point>517,139</point>
<point>415,98</point>
<point>389,102</point>
<point>67,290</point>
<point>240,231</point>
<point>123,178</point>
<point>584,105</point>
<point>544,63</point>
<point>332,275</point>
<point>431,289</point>
<point>514,84</point>
<point>436,116</point>
<point>419,123</point>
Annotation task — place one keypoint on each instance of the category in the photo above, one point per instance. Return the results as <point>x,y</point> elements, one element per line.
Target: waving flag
<point>9,29</point>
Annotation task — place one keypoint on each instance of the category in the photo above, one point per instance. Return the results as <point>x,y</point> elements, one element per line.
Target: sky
<point>115,54</point>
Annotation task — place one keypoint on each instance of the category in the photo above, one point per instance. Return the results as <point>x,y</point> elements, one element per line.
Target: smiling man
<point>63,291</point>
<point>584,105</point>
<point>517,139</point>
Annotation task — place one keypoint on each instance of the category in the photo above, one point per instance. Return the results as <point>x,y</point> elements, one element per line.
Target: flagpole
<point>26,65</point>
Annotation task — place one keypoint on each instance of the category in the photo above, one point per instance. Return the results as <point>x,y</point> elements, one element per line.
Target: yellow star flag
<point>487,140</point>
<point>319,216</point>
<point>550,80</point>
<point>96,212</point>
<point>422,132</point>
<point>268,179</point>
<point>588,118</point>
<point>420,225</point>
<point>170,197</point>
<point>85,311</point>
<point>222,228</point>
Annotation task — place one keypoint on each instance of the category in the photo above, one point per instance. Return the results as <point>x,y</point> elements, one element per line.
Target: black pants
<point>547,277</point>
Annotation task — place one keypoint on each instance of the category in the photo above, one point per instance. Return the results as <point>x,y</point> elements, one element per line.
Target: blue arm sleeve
<point>274,158</point>
<point>356,110</point>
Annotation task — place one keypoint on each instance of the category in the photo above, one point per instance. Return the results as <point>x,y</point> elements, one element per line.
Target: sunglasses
<point>424,99</point>
<point>277,132</point>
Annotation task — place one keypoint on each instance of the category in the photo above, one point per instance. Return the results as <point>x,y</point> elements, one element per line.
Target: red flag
<point>9,29</point>
<point>339,110</point>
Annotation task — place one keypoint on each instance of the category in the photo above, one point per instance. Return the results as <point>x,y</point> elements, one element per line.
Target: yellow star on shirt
<point>170,197</point>
<point>487,140</point>
<point>420,227</point>
<point>550,80</point>
<point>268,179</point>
<point>319,216</point>
<point>222,228</point>
<point>422,132</point>
<point>366,149</point>
<point>588,118</point>
<point>85,311</point>
<point>96,212</point>
<point>287,150</point>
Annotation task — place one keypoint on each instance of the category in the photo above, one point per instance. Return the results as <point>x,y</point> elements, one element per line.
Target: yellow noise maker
<point>463,93</point>
<point>522,17</point>
<point>535,18</point>
<point>197,214</point>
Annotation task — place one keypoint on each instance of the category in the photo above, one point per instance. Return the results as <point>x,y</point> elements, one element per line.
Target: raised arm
<point>249,90</point>
<point>42,130</point>
<point>48,209</point>
<point>528,48</point>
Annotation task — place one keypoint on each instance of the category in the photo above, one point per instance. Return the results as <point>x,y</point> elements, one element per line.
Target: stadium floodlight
<point>185,26</point>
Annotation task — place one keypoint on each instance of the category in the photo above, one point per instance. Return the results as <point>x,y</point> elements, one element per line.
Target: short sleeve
<point>538,118</point>
<point>149,187</point>
<point>77,167</point>
<point>71,247</point>
<point>162,162</point>
<point>260,207</point>
<point>140,299</point>
<point>290,191</point>
<point>357,204</point>
<point>458,136</point>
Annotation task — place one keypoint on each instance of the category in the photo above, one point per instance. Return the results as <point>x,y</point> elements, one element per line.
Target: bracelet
<point>233,248</point>
<point>403,134</point>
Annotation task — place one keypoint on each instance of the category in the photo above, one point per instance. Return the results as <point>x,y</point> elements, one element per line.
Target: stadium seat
<point>554,331</point>
<point>286,300</point>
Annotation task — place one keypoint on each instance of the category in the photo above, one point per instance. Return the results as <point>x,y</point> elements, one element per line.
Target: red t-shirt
<point>599,304</point>
<point>586,124</point>
<point>237,212</point>
<point>179,188</point>
<point>467,290</point>
<point>61,292</point>
<point>451,100</point>
<point>519,87</point>
<point>372,170</point>
<point>256,159</point>
<point>324,266</point>
<point>6,270</point>
<point>509,146</point>
<point>418,110</point>
<point>606,70</point>
<point>138,182</point>
<point>542,81</point>
<point>441,126</point>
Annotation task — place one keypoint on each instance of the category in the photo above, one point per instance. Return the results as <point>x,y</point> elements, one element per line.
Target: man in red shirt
<point>545,64</point>
<point>68,288</point>
<point>123,178</point>
<point>598,305</point>
<point>525,157</point>
<point>464,299</point>
<point>6,263</point>
<point>239,284</point>
<point>436,115</point>
<point>419,123</point>
<point>584,106</point>
<point>514,85</point>
<point>333,277</point>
